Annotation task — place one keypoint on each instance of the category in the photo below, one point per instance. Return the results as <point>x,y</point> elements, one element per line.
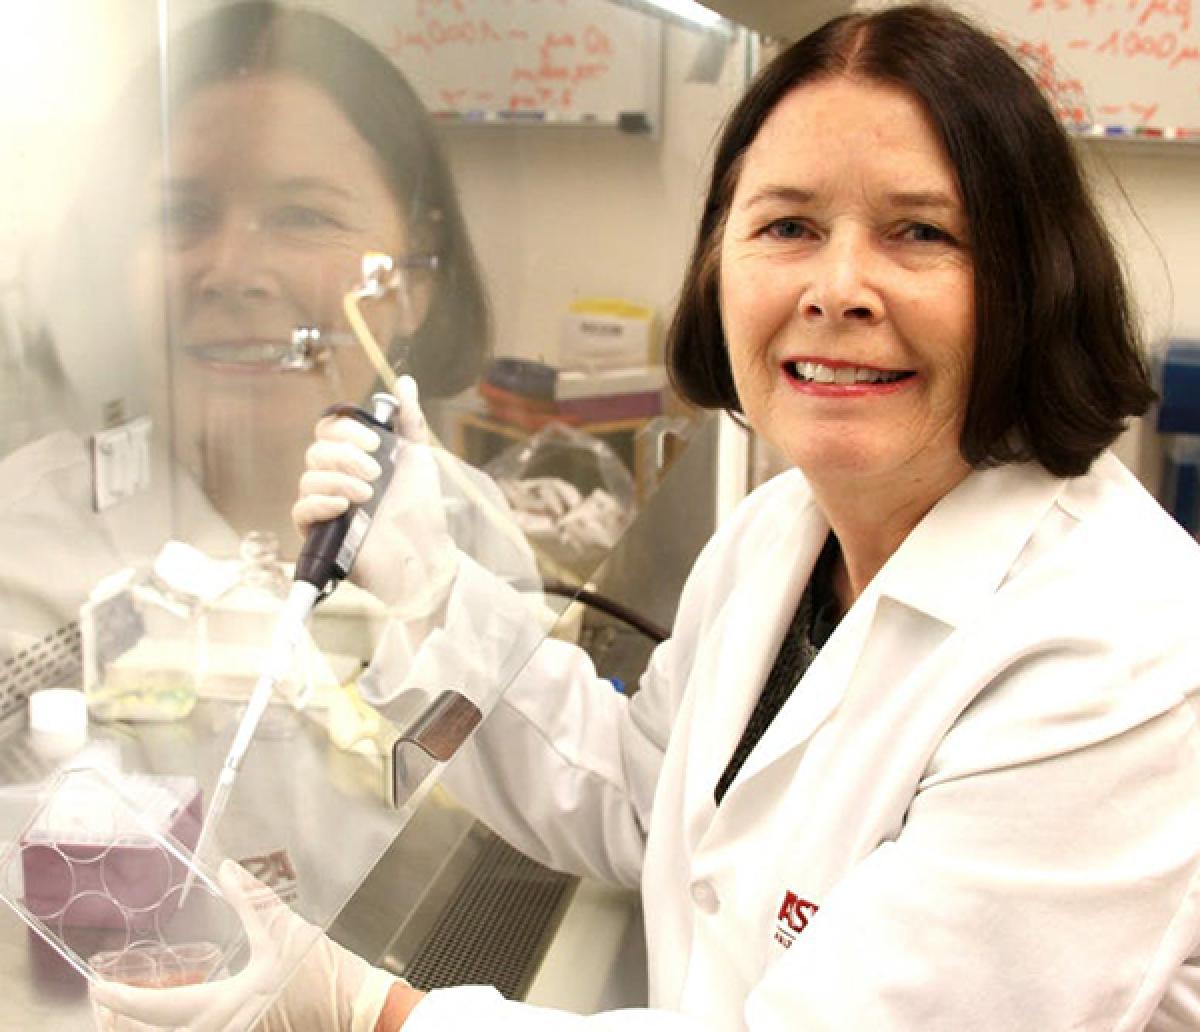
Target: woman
<point>963,794</point>
<point>294,148</point>
<point>291,147</point>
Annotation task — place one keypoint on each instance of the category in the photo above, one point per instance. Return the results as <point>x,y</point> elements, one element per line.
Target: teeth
<point>815,372</point>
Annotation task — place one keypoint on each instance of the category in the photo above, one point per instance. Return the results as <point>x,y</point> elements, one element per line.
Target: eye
<point>787,229</point>
<point>924,233</point>
<point>185,219</point>
<point>301,218</point>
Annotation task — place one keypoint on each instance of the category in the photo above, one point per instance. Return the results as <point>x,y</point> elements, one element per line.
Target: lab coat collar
<point>960,553</point>
<point>950,564</point>
<point>774,568</point>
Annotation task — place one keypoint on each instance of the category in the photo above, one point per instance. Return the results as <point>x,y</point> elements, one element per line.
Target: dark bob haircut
<point>1057,366</point>
<point>448,352</point>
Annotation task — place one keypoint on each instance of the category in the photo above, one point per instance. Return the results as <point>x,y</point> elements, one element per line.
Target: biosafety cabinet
<point>218,221</point>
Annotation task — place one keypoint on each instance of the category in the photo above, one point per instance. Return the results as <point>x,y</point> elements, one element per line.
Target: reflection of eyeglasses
<point>411,270</point>
<point>186,220</point>
<point>419,262</point>
<point>383,274</point>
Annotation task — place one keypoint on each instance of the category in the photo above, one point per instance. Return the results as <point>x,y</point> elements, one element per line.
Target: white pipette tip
<point>212,818</point>
<point>296,609</point>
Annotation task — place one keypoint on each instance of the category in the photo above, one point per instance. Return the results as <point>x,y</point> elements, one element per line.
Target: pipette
<point>325,559</point>
<point>299,603</point>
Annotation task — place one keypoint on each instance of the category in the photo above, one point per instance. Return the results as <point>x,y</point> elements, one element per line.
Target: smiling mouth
<point>242,354</point>
<point>842,375</point>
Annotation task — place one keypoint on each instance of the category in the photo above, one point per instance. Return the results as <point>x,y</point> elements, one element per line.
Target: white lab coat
<point>979,809</point>
<point>57,547</point>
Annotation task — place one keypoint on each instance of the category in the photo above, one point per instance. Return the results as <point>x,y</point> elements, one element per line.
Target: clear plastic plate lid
<point>99,871</point>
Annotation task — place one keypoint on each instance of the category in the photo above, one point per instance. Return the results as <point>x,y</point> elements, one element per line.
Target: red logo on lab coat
<point>794,913</point>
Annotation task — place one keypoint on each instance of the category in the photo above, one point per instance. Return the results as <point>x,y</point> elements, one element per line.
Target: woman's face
<point>846,289</point>
<point>269,198</point>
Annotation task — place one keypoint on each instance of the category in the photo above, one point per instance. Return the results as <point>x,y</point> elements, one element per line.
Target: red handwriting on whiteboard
<point>1171,10</point>
<point>1064,5</point>
<point>1145,12</point>
<point>425,7</point>
<point>1156,37</point>
<point>555,41</point>
<point>596,41</point>
<point>564,62</point>
<point>461,98</point>
<point>1046,69</point>
<point>564,59</point>
<point>551,68</point>
<point>574,73</point>
<point>436,34</point>
<point>403,40</point>
<point>1163,46</point>
<point>541,99</point>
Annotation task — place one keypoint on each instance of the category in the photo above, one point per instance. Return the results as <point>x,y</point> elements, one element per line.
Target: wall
<point>61,66</point>
<point>561,212</point>
<point>1151,197</point>
<point>780,21</point>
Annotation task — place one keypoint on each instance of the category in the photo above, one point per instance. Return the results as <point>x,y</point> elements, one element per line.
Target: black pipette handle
<point>330,548</point>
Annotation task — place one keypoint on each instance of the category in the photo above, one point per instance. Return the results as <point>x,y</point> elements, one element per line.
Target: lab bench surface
<point>323,809</point>
<point>411,897</point>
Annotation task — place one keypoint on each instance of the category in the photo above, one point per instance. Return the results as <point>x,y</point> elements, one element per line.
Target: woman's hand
<point>408,559</point>
<point>315,983</point>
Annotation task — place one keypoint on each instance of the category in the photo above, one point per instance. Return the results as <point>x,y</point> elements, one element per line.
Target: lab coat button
<point>705,897</point>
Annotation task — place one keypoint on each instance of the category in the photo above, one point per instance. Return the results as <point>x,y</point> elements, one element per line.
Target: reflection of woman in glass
<point>290,147</point>
<point>293,147</point>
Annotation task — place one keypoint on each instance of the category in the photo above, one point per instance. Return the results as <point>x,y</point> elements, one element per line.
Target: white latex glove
<point>329,987</point>
<point>408,559</point>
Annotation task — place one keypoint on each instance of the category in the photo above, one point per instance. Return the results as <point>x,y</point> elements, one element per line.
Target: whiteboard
<point>1111,67</point>
<point>524,61</point>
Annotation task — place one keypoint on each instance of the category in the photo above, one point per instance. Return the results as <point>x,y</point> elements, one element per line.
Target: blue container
<point>1181,482</point>
<point>1179,418</point>
<point>1179,385</point>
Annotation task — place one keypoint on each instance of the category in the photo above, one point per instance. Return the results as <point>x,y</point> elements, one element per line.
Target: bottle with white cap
<point>143,646</point>
<point>240,623</point>
<point>58,721</point>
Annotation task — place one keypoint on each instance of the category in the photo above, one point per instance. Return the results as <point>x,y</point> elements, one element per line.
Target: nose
<point>232,264</point>
<point>841,286</point>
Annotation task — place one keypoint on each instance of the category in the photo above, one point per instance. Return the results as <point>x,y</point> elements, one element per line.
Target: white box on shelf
<point>601,333</point>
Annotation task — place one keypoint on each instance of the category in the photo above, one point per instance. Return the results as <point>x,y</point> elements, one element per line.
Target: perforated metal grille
<point>497,927</point>
<point>53,662</point>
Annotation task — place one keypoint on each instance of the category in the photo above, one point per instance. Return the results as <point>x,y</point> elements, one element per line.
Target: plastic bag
<point>571,495</point>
